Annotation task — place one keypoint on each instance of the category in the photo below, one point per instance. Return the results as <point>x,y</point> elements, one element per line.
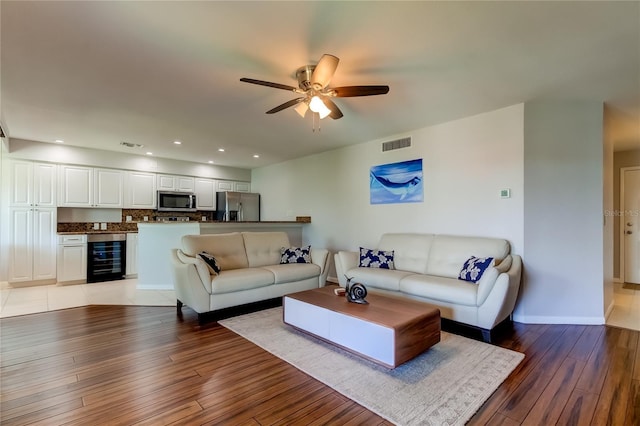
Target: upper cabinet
<point>140,190</point>
<point>33,184</point>
<point>175,183</point>
<point>90,187</point>
<point>229,185</point>
<point>205,190</point>
<point>242,186</point>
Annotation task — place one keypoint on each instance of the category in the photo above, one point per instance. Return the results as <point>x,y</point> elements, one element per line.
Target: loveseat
<point>250,269</point>
<point>426,267</point>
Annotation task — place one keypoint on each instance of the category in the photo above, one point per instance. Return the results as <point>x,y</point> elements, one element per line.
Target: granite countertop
<point>94,232</point>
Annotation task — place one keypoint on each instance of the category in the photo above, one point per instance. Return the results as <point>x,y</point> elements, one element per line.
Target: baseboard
<point>609,310</point>
<point>333,280</point>
<point>538,319</point>
<point>152,287</point>
<point>617,280</point>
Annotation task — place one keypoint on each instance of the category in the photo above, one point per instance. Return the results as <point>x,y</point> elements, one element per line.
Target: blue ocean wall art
<point>397,183</point>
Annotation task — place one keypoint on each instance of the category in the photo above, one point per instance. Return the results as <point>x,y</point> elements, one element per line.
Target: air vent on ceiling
<point>131,145</point>
<point>397,144</point>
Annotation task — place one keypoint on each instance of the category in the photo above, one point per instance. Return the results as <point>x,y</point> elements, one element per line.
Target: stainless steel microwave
<point>169,201</point>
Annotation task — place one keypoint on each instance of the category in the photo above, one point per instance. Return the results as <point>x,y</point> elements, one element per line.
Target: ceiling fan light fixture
<point>316,105</point>
<point>302,108</point>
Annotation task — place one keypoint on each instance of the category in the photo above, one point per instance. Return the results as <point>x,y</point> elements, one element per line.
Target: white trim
<point>621,221</point>
<point>618,280</point>
<point>609,310</point>
<point>333,280</point>
<point>526,319</point>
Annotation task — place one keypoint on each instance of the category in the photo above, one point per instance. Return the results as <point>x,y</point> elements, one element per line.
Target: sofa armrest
<point>321,258</point>
<point>501,300</point>
<point>345,260</point>
<point>489,278</point>
<point>188,284</point>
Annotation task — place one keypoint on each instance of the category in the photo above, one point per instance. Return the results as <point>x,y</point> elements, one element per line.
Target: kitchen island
<point>156,239</point>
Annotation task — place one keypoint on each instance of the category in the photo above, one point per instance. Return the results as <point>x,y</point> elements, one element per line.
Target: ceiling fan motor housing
<point>303,74</point>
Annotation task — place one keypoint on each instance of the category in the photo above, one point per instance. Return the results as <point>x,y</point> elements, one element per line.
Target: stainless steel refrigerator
<point>238,206</point>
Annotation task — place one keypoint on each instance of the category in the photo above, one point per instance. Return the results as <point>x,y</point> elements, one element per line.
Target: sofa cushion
<point>228,249</point>
<point>263,248</point>
<point>290,272</point>
<point>387,279</point>
<point>295,255</point>
<point>240,279</point>
<point>474,267</point>
<point>448,253</point>
<point>450,290</point>
<point>410,251</point>
<point>370,258</point>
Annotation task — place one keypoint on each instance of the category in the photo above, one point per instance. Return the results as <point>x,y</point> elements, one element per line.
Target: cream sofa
<point>250,270</point>
<point>427,268</point>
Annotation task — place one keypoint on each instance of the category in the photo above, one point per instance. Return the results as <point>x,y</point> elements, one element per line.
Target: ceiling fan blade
<point>285,105</point>
<point>351,91</point>
<point>324,71</point>
<point>269,84</point>
<point>335,111</point>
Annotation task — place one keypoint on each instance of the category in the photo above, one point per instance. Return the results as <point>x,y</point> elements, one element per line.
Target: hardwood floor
<point>124,365</point>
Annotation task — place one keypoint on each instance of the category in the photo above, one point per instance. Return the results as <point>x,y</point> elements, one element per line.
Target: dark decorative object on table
<point>356,292</point>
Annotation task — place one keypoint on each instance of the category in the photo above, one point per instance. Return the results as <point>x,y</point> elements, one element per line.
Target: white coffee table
<point>388,331</point>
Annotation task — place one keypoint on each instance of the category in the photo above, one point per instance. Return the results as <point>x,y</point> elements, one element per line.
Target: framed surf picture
<point>396,183</point>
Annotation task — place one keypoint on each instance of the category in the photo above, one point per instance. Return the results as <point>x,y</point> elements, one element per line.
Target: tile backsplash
<point>137,215</point>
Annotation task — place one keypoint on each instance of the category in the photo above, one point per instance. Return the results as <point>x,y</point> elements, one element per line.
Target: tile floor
<point>28,300</point>
<point>626,309</point>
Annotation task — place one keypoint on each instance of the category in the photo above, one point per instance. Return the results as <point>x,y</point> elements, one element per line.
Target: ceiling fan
<point>313,84</point>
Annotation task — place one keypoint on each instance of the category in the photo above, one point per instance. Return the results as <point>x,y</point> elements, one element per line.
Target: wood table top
<point>388,311</point>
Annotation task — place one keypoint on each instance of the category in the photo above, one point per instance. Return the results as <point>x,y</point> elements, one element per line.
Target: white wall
<point>67,154</point>
<point>563,213</point>
<point>465,164</point>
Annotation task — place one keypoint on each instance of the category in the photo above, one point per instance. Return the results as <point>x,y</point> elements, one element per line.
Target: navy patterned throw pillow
<point>376,259</point>
<point>295,255</point>
<point>210,261</point>
<point>474,267</point>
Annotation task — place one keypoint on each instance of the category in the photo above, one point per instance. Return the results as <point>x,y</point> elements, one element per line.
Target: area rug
<point>445,385</point>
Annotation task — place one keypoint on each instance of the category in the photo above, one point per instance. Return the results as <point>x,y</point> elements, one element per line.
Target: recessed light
<point>177,142</point>
<point>59,141</point>
<point>256,156</point>
<point>149,153</point>
<point>221,149</point>
<point>210,161</point>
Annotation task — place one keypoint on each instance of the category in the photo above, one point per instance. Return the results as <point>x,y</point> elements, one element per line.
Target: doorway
<point>630,224</point>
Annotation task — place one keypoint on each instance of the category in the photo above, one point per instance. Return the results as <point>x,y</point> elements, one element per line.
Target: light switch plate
<point>505,193</point>
<point>96,225</point>
<point>103,226</point>
<point>129,218</point>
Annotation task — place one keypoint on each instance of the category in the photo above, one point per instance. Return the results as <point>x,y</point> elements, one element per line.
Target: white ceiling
<point>98,73</point>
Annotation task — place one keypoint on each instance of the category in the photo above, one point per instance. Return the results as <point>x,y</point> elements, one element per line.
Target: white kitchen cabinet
<point>32,255</point>
<point>242,186</point>
<point>205,190</point>
<point>108,188</point>
<point>225,185</point>
<point>132,254</point>
<point>176,183</point>
<point>72,258</point>
<point>33,184</point>
<point>90,187</point>
<point>230,185</point>
<point>140,190</point>
<point>75,186</point>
